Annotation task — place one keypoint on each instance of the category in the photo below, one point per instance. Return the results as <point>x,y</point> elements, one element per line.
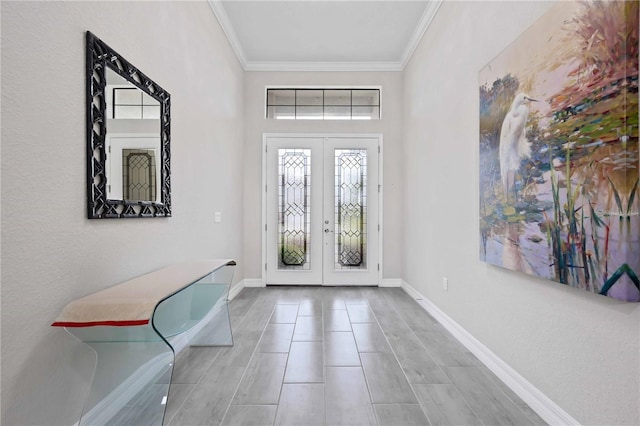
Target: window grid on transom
<point>323,104</point>
<point>132,103</point>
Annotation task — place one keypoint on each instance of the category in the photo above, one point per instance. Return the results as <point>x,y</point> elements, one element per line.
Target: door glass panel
<point>350,209</point>
<point>139,174</point>
<point>294,199</point>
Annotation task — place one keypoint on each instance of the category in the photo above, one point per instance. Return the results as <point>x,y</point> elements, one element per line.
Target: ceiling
<point>330,35</point>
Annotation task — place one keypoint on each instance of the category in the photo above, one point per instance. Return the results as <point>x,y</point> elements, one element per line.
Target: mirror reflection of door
<point>139,174</point>
<point>133,163</point>
<point>133,167</point>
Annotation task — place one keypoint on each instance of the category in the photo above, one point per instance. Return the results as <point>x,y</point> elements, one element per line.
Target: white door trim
<point>263,232</point>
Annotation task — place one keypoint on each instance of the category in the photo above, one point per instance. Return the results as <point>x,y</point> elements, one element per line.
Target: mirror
<point>128,155</point>
<point>133,142</point>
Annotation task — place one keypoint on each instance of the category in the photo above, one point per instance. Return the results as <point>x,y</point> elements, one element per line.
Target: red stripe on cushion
<point>98,323</point>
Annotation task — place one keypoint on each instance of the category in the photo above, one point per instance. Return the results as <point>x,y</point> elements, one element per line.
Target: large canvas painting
<point>559,192</point>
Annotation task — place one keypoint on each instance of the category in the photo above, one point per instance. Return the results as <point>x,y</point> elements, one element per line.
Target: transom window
<point>323,104</point>
<point>130,102</point>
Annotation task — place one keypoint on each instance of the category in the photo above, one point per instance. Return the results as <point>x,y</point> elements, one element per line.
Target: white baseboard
<point>539,402</point>
<point>236,289</point>
<point>253,282</point>
<point>257,282</point>
<point>247,282</point>
<point>391,282</point>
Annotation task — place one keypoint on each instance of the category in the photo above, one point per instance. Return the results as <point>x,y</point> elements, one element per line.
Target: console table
<point>137,327</point>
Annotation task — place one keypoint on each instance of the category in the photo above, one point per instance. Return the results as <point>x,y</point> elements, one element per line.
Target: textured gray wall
<point>51,253</point>
<point>581,350</point>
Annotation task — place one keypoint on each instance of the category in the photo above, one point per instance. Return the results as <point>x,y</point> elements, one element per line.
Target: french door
<point>322,224</point>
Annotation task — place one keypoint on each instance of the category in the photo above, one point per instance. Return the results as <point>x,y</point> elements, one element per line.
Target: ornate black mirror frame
<point>99,57</point>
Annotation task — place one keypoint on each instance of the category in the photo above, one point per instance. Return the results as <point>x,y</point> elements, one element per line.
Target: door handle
<point>327,230</point>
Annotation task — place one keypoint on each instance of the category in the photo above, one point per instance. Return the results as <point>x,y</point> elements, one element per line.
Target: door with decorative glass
<point>322,222</point>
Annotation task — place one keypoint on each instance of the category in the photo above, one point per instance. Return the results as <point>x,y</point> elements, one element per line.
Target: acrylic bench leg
<point>202,313</point>
<point>131,382</point>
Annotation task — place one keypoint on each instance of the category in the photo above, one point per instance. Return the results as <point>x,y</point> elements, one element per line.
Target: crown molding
<point>227,28</point>
<point>222,17</point>
<point>322,66</point>
<point>427,16</point>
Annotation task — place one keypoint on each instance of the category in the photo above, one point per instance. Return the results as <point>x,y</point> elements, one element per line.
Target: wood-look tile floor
<point>337,356</point>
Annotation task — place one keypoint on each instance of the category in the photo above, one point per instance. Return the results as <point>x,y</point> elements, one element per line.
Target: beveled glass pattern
<point>294,195</point>
<point>139,174</point>
<point>350,209</point>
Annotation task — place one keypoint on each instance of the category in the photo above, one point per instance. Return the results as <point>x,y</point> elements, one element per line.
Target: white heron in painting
<point>513,141</point>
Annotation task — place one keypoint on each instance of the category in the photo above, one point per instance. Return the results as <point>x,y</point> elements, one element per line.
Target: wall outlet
<point>217,217</point>
<point>445,283</point>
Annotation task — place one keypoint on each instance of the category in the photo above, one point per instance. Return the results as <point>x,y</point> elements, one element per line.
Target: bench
<point>137,328</point>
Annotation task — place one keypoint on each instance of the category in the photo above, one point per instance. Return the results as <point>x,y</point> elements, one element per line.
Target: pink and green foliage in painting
<point>559,158</point>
